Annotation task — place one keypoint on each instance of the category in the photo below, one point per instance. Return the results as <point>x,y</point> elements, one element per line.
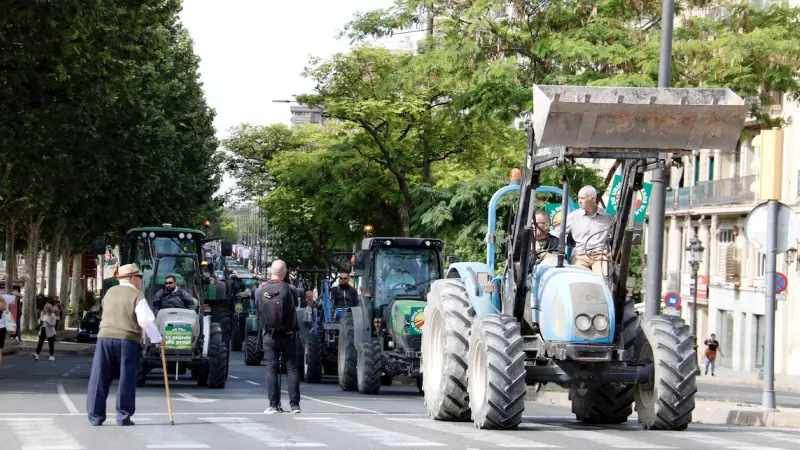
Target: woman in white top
<point>6,324</point>
<point>47,323</point>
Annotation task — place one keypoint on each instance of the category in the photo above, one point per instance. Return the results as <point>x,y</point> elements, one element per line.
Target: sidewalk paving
<point>65,344</point>
<point>730,377</point>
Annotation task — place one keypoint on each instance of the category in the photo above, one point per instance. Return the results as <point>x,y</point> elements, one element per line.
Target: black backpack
<point>270,308</point>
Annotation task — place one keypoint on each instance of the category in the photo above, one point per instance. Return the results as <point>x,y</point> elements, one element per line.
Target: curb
<point>60,350</point>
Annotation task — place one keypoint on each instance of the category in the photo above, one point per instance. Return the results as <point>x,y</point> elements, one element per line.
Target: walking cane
<point>166,384</point>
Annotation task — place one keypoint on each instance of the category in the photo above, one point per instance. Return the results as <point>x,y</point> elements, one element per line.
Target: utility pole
<point>659,180</point>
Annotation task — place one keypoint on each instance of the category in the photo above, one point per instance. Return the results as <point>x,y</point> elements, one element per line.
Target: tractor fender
<point>361,324</point>
<point>251,326</point>
<point>484,303</point>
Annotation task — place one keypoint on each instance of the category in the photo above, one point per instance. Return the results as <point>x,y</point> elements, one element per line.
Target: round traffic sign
<point>781,282</point>
<point>755,228</point>
<point>672,300</point>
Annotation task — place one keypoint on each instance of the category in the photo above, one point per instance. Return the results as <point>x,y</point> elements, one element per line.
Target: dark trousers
<point>274,347</point>
<point>110,354</point>
<point>51,341</point>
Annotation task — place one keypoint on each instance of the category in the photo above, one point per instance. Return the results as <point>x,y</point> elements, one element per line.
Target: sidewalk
<point>65,345</point>
<point>723,376</point>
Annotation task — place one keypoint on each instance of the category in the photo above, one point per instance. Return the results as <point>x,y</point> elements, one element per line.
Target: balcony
<point>728,191</point>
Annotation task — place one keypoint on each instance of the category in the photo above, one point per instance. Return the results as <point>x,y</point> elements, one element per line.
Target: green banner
<point>178,338</point>
<point>416,320</point>
<point>642,199</point>
<point>554,211</point>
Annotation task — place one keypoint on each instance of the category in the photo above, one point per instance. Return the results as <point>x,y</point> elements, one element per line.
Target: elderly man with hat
<point>126,315</point>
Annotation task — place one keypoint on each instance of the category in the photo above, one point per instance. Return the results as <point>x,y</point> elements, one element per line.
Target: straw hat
<point>128,270</point>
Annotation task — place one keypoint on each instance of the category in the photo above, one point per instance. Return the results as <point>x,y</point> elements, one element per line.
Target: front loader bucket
<point>640,119</point>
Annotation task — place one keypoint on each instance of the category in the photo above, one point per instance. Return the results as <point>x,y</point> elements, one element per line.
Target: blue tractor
<point>541,320</point>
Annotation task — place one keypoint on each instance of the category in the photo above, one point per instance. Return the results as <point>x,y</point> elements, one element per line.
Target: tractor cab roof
<point>165,230</point>
<point>400,242</point>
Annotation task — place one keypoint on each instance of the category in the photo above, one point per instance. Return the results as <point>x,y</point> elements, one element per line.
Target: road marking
<point>336,404</point>
<point>159,437</point>
<point>29,434</point>
<point>192,399</point>
<point>234,377</point>
<point>385,437</point>
<point>712,439</point>
<point>784,437</point>
<point>259,432</point>
<point>178,446</point>
<point>490,437</point>
<point>313,418</point>
<point>252,382</point>
<point>610,440</point>
<point>65,398</point>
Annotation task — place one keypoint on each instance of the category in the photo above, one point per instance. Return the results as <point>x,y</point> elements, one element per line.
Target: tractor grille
<point>415,343</point>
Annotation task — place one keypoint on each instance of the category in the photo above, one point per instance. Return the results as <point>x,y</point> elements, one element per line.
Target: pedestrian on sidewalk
<point>278,320</point>
<point>712,347</point>
<point>119,346</point>
<point>7,325</point>
<point>47,330</point>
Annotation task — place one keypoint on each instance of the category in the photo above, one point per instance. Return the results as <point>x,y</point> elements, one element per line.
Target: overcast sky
<point>253,52</point>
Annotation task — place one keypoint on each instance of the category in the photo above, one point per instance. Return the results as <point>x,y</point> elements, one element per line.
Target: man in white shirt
<point>589,228</point>
<point>126,315</point>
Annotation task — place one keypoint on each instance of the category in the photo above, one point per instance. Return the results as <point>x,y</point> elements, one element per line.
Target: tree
<point>406,112</point>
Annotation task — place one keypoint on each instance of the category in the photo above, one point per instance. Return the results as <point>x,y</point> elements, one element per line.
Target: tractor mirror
<point>451,259</point>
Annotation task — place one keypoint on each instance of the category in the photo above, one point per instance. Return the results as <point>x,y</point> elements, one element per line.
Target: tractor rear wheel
<point>445,348</point>
<point>236,339</point>
<point>667,402</point>
<point>348,358</point>
<point>312,357</point>
<point>253,354</point>
<point>218,348</point>
<point>369,368</point>
<point>496,372</point>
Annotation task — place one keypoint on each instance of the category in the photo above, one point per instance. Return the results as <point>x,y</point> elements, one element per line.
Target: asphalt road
<point>42,406</point>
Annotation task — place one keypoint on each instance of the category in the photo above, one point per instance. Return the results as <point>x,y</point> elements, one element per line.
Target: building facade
<point>303,115</point>
<point>710,197</point>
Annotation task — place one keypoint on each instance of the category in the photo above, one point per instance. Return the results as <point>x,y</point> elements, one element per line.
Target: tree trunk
<point>43,275</point>
<point>11,256</point>
<point>76,292</point>
<point>63,290</point>
<point>52,268</point>
<point>30,313</point>
<point>405,220</point>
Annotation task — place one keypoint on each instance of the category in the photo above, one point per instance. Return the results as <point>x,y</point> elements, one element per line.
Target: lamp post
<point>695,251</point>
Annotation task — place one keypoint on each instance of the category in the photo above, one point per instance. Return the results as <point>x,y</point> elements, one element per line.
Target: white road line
<point>778,436</point>
<point>713,439</point>
<point>313,418</point>
<point>336,404</point>
<point>259,432</point>
<point>65,398</point>
<point>252,382</point>
<point>596,437</point>
<point>385,437</point>
<point>490,437</point>
<point>178,446</point>
<point>29,434</point>
<point>234,377</point>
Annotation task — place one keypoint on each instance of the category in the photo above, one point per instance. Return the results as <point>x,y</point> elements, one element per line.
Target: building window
<point>710,168</point>
<point>760,340</point>
<point>725,236</point>
<point>761,266</point>
<point>696,168</point>
<point>725,337</point>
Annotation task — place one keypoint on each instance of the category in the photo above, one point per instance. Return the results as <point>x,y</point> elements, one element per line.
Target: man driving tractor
<point>173,296</point>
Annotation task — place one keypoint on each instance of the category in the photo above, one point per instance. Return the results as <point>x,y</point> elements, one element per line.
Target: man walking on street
<point>119,346</point>
<point>712,347</point>
<point>278,320</point>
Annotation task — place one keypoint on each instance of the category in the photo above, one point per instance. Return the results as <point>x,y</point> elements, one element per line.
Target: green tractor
<point>198,339</point>
<point>382,336</point>
<point>243,287</point>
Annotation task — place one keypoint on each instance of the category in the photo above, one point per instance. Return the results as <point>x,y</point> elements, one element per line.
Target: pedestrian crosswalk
<point>357,431</point>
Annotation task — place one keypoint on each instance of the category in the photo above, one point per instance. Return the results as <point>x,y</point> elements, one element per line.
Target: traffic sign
<point>755,228</point>
<point>672,300</point>
<point>781,283</point>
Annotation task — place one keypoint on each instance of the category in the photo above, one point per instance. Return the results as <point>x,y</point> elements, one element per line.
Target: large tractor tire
<point>313,357</point>
<point>299,352</point>
<point>496,372</point>
<point>348,357</point>
<point>370,367</point>
<point>236,340</point>
<point>445,348</point>
<point>219,348</point>
<point>610,403</point>
<point>667,402</point>
<point>253,354</point>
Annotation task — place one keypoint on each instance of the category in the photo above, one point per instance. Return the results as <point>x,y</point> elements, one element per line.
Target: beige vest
<point>119,314</point>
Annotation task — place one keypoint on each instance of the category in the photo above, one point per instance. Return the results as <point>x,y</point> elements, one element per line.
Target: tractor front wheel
<point>496,372</point>
<point>369,368</point>
<point>348,357</point>
<point>667,402</point>
<point>312,357</point>
<point>218,348</point>
<point>253,354</point>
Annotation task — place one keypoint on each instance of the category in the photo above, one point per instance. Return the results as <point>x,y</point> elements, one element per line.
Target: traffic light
<point>769,164</point>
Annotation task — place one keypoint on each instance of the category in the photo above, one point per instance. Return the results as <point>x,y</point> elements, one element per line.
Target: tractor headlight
<point>583,322</point>
<point>600,322</point>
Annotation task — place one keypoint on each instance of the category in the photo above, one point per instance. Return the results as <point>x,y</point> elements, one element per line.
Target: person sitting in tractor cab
<point>399,274</point>
<point>343,295</point>
<point>545,244</point>
<point>173,296</point>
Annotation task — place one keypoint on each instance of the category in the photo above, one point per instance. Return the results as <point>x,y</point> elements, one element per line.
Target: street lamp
<point>695,250</point>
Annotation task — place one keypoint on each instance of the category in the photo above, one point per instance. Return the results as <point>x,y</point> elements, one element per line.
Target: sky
<point>254,51</point>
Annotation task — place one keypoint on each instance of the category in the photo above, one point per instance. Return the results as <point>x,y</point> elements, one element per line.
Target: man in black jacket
<point>343,294</point>
<point>172,296</point>
<point>278,320</point>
